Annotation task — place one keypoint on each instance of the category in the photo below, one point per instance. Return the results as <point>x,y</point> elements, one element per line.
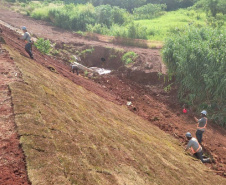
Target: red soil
<point>12,161</point>
<point>150,102</point>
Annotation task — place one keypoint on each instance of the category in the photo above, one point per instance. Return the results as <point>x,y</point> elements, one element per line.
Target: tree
<point>213,6</point>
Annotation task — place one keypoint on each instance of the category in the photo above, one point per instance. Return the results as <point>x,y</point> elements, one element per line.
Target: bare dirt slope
<point>152,103</point>
<point>72,136</point>
<point>12,162</point>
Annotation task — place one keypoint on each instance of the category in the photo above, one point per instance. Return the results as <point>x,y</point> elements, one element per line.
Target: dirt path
<point>45,30</point>
<point>12,162</point>
<point>152,103</point>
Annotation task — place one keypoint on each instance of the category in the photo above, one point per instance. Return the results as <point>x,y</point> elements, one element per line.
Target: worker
<point>196,148</point>
<point>27,38</point>
<point>74,67</point>
<point>201,126</point>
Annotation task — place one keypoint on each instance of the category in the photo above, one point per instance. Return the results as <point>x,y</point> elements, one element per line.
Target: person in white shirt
<point>196,148</point>
<point>27,38</point>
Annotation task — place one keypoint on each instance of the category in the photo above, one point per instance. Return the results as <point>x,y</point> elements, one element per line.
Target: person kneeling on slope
<point>195,148</point>
<point>27,38</point>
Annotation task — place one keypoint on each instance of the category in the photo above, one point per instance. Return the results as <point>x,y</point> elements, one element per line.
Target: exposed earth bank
<point>148,100</point>
<point>12,161</point>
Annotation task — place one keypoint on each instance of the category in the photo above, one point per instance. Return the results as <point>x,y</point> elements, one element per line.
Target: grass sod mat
<point>71,136</point>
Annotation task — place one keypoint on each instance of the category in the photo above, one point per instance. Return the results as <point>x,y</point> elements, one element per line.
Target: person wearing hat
<point>201,126</point>
<point>27,38</point>
<point>196,148</point>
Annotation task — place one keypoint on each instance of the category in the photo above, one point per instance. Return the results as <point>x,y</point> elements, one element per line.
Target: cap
<point>204,112</point>
<point>23,28</point>
<point>188,134</point>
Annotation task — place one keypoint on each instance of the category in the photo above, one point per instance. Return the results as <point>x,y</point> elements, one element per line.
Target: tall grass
<point>41,13</point>
<point>197,59</point>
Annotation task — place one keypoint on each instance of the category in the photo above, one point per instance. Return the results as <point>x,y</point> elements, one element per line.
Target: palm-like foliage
<point>197,58</point>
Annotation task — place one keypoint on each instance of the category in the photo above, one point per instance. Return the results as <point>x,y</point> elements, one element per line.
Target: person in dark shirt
<point>201,126</point>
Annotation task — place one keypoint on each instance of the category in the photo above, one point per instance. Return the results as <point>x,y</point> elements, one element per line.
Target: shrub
<point>120,16</point>
<point>97,28</point>
<point>103,15</point>
<point>118,31</point>
<point>44,46</point>
<point>148,11</point>
<point>129,57</point>
<point>73,17</point>
<point>136,31</point>
<point>41,13</point>
<point>108,15</point>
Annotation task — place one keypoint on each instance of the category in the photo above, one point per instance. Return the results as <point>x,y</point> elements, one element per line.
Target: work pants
<point>199,136</point>
<point>198,155</point>
<point>75,68</point>
<point>28,49</point>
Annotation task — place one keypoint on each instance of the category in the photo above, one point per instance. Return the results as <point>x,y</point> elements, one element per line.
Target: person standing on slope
<point>196,148</point>
<point>201,126</point>
<point>27,38</point>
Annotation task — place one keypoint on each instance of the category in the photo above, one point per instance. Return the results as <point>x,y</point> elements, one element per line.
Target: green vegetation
<point>161,27</point>
<point>86,51</point>
<point>145,19</point>
<point>196,57</point>
<point>44,46</point>
<point>148,11</point>
<point>153,20</point>
<point>130,5</point>
<point>212,6</point>
<point>129,57</point>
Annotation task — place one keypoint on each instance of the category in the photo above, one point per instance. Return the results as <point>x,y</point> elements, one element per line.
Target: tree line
<point>129,5</point>
<point>212,6</point>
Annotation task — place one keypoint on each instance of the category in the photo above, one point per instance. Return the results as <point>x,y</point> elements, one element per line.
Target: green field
<point>161,27</point>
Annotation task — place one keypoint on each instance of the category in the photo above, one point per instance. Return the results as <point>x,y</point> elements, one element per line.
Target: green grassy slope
<point>72,136</point>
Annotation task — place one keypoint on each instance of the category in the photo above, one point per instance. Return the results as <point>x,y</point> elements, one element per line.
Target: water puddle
<point>101,71</point>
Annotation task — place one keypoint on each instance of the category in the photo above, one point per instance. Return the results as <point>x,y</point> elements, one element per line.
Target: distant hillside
<point>72,136</point>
